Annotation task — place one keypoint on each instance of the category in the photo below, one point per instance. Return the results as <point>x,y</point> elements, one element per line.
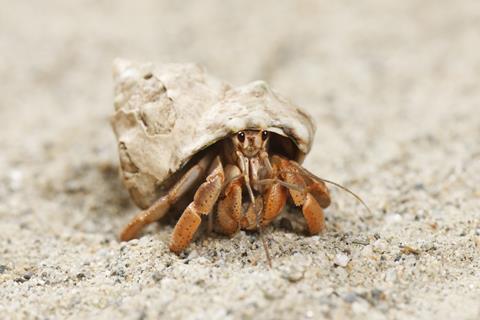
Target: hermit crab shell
<point>166,114</point>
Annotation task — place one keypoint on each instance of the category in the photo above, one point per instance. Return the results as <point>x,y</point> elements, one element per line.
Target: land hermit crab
<point>234,153</point>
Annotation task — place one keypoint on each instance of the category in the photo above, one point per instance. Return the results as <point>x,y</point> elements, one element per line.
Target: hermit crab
<point>189,140</point>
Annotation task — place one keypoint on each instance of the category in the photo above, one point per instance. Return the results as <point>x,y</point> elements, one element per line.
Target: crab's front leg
<point>275,199</point>
<point>229,210</point>
<point>230,214</point>
<point>205,198</point>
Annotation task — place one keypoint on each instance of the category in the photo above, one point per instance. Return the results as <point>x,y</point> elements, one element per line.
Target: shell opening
<point>284,146</point>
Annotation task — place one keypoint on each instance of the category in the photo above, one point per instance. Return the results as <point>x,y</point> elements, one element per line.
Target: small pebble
<point>293,273</point>
<point>341,260</point>
<point>393,218</point>
<point>380,246</point>
<point>410,250</point>
<point>476,240</point>
<point>363,242</point>
<point>350,297</point>
<point>158,276</point>
<point>428,247</point>
<point>16,179</point>
<point>2,268</point>
<point>419,186</point>
<point>377,294</point>
<point>391,275</point>
<point>25,278</point>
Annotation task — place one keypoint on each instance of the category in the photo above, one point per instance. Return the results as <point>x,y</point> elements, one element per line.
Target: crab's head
<point>251,142</point>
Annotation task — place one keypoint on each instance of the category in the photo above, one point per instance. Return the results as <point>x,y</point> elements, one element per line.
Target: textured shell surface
<point>166,113</point>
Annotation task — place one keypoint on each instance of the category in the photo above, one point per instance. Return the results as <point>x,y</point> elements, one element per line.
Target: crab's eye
<point>264,135</point>
<point>241,136</point>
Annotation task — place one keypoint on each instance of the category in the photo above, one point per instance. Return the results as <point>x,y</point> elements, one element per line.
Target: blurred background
<point>375,66</point>
<point>393,87</point>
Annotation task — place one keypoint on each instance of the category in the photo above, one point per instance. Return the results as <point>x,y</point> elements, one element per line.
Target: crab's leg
<point>313,214</point>
<point>275,199</point>
<point>162,205</point>
<point>312,211</point>
<point>316,188</point>
<point>205,198</point>
<point>229,211</point>
<point>230,208</point>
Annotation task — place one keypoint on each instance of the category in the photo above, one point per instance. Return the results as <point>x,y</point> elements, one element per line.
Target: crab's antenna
<point>265,245</point>
<point>302,189</point>
<point>338,185</point>
<point>347,190</point>
<point>257,217</point>
<point>271,181</point>
<point>260,231</point>
<point>260,234</point>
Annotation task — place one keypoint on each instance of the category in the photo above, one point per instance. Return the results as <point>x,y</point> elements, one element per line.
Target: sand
<point>393,87</point>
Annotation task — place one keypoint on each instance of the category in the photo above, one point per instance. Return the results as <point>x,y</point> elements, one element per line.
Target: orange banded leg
<point>162,205</point>
<point>311,208</point>
<point>202,204</point>
<point>298,197</point>
<point>313,214</point>
<point>275,199</point>
<point>229,211</point>
<point>319,191</point>
<point>316,188</point>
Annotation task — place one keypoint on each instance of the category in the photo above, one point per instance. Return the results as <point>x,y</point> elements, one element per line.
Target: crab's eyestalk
<point>265,135</point>
<point>241,136</point>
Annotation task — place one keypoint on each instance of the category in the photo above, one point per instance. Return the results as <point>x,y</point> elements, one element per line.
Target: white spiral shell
<point>165,114</point>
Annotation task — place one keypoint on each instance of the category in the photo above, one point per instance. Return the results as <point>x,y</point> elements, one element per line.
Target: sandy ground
<point>394,88</point>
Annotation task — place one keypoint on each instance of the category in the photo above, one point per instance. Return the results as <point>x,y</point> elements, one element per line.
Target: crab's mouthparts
<point>250,151</point>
